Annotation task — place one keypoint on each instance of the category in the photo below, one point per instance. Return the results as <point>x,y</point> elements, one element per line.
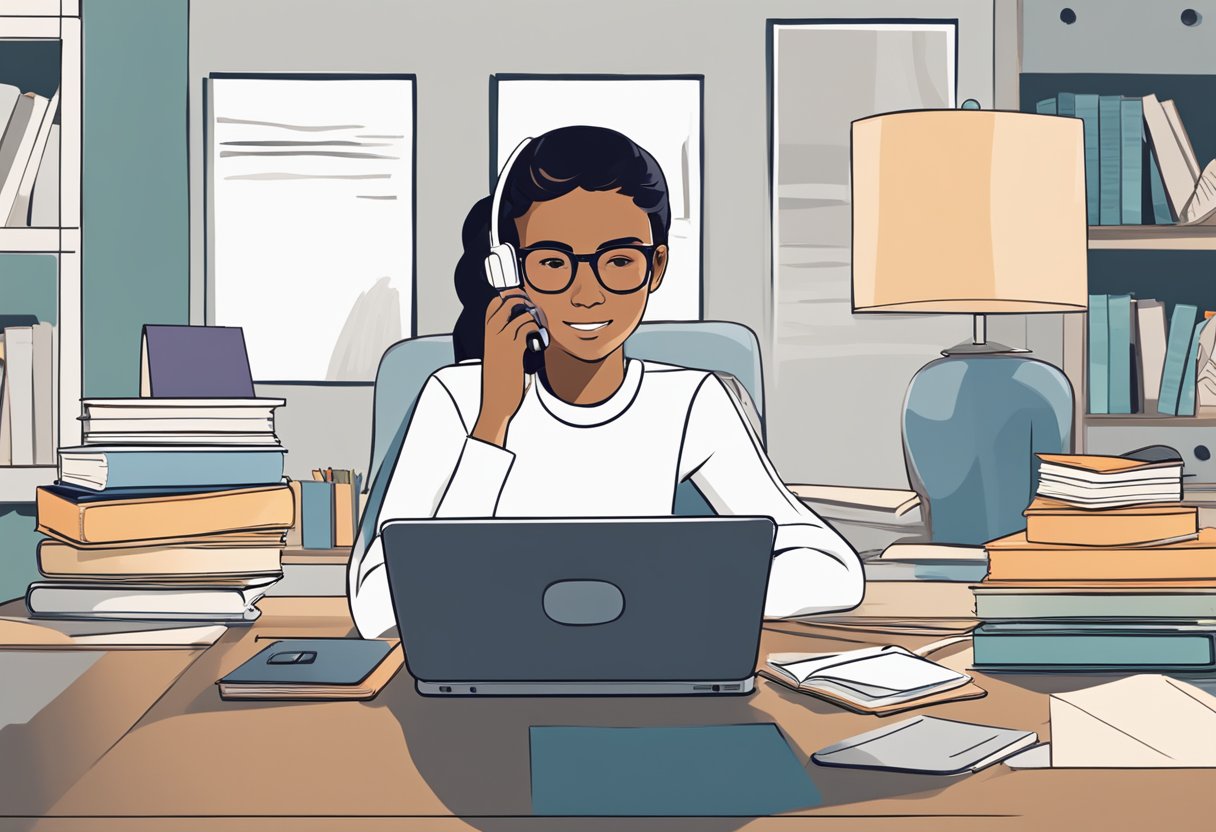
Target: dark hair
<point>552,165</point>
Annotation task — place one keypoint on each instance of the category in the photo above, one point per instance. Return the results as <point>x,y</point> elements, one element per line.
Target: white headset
<point>502,266</point>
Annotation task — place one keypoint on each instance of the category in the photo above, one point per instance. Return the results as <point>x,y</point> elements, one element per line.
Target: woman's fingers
<point>521,326</point>
<point>498,310</point>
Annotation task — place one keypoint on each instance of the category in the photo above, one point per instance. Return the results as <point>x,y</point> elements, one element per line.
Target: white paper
<point>312,221</point>
<point>663,116</point>
<point>874,671</point>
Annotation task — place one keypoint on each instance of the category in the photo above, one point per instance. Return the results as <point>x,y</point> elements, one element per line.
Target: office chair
<point>718,346</point>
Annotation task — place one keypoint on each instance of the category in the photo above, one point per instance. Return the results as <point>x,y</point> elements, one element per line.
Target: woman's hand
<point>502,366</point>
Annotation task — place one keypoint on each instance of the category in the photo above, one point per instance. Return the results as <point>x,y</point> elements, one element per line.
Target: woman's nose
<point>586,291</point>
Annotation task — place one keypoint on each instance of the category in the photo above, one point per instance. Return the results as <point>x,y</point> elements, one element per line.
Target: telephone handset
<point>502,266</point>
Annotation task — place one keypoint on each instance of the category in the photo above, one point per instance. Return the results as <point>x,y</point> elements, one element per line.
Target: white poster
<point>663,116</point>
<point>311,221</point>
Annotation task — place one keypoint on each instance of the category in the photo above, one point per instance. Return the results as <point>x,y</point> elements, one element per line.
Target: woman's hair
<point>552,165</point>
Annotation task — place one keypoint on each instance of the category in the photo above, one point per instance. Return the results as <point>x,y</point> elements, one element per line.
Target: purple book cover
<point>193,362</point>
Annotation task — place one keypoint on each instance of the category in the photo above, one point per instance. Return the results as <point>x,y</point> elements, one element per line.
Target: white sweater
<point>621,457</point>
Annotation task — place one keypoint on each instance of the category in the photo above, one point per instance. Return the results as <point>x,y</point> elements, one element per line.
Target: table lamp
<point>982,213</point>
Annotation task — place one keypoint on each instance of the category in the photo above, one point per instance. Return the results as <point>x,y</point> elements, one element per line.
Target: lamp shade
<point>970,211</point>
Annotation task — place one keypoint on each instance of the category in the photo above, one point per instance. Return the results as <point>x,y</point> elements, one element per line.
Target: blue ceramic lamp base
<point>972,424</point>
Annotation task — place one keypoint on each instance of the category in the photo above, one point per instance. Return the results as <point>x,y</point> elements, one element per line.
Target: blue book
<point>1156,186</point>
<point>109,467</point>
<point>1177,348</point>
<point>1066,104</point>
<point>689,770</point>
<point>316,514</point>
<point>1110,165</point>
<point>1132,159</point>
<point>1047,106</point>
<point>1065,649</point>
<point>1119,347</point>
<point>1099,355</point>
<point>1087,111</point>
<point>1186,394</point>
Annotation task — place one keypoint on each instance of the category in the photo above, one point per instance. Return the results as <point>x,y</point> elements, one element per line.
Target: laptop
<point>652,606</point>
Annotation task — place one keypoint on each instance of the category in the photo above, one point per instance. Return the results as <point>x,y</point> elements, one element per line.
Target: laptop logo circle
<point>583,603</point>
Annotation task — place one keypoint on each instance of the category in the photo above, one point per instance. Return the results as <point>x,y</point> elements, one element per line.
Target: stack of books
<point>1112,572</point>
<point>172,509</point>
<point>28,370</point>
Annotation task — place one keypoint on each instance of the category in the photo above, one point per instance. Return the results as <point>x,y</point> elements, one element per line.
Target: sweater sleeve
<point>441,471</point>
<point>814,569</point>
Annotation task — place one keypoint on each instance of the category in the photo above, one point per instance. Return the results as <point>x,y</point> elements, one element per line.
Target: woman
<point>595,434</point>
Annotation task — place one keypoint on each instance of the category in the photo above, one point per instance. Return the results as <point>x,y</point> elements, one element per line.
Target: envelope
<point>1144,721</point>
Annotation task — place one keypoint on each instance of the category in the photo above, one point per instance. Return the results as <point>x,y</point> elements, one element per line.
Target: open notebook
<point>873,680</point>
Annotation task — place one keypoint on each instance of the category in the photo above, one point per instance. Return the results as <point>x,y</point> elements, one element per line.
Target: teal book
<point>1046,107</point>
<point>1186,393</point>
<point>1087,111</point>
<point>316,514</point>
<point>1110,165</point>
<point>1131,157</point>
<point>1099,355</point>
<point>1177,348</point>
<point>1156,187</point>
<point>1066,104</point>
<point>1119,347</point>
<point>108,467</point>
<point>1098,649</point>
<point>691,770</point>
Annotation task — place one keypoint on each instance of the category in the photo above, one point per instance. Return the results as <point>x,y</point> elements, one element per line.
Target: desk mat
<point>712,770</point>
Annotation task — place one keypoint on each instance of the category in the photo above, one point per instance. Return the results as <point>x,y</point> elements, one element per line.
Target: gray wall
<point>453,48</point>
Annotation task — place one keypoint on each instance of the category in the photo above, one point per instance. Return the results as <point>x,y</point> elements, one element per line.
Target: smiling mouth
<point>587,327</point>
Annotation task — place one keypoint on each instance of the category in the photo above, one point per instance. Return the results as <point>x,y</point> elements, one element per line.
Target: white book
<point>6,424</point>
<point>1182,137</point>
<point>44,401</point>
<point>1172,160</point>
<point>19,215</point>
<point>44,203</point>
<point>166,409</point>
<point>8,101</point>
<point>19,391</point>
<point>172,439</point>
<point>65,599</point>
<point>21,147</point>
<point>204,425</point>
<point>1150,321</point>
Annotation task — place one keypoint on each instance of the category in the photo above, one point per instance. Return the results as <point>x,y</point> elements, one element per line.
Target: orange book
<point>62,560</point>
<point>1014,558</point>
<point>344,515</point>
<point>100,520</point>
<point>1055,522</point>
<point>1096,464</point>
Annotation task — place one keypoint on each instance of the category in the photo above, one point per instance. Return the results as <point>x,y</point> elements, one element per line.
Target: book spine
<point>206,513</point>
<point>1066,104</point>
<point>1093,606</point>
<point>1119,371</point>
<point>1046,107</point>
<point>1182,327</point>
<point>186,469</point>
<point>1102,564</point>
<point>1186,393</point>
<point>1156,187</point>
<point>1087,111</point>
<point>1131,133</point>
<point>317,514</point>
<point>1110,142</point>
<point>1096,650</point>
<point>1098,355</point>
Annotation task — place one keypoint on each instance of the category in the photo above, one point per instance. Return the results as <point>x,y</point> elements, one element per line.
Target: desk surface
<point>142,740</point>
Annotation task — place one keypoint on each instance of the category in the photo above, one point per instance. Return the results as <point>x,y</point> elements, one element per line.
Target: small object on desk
<point>194,362</point>
<point>927,745</point>
<point>317,668</point>
<point>873,680</point>
<point>1147,721</point>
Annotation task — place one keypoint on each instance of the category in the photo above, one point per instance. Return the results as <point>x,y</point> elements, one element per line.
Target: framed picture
<point>662,113</point>
<point>310,219</point>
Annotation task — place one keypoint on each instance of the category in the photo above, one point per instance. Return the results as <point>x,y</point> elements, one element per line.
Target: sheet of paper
<point>889,673</point>
<point>34,678</point>
<point>311,221</point>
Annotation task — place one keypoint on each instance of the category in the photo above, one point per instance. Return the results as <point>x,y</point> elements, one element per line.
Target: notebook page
<point>889,673</point>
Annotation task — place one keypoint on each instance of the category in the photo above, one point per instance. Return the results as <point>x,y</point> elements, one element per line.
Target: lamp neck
<point>980,345</point>
<point>980,330</point>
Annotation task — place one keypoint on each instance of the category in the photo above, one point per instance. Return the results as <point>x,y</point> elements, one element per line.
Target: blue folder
<point>712,770</point>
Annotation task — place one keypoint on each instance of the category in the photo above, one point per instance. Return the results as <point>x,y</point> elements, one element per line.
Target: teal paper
<point>1132,159</point>
<point>1119,377</point>
<point>1177,347</point>
<point>712,770</point>
<point>1186,394</point>
<point>1099,355</point>
<point>1110,165</point>
<point>1087,111</point>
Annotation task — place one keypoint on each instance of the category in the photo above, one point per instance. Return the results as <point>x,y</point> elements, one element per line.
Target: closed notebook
<point>78,517</point>
<point>927,745</point>
<point>318,668</point>
<point>195,362</point>
<point>873,680</point>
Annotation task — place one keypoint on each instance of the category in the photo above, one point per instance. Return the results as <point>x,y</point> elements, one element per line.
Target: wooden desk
<point>190,760</point>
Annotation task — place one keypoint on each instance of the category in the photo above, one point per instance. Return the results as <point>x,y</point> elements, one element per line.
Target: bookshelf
<point>40,268</point>
<point>1134,51</point>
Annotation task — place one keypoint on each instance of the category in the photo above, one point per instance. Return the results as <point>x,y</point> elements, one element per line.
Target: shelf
<point>17,483</point>
<point>44,240</point>
<point>1138,420</point>
<point>1158,237</point>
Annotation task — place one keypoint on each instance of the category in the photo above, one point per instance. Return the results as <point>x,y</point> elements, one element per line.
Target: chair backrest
<point>718,346</point>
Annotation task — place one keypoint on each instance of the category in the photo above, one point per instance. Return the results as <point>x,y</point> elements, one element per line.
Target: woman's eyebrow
<point>621,241</point>
<point>551,244</point>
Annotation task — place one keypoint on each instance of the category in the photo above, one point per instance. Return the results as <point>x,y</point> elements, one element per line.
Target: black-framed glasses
<point>619,269</point>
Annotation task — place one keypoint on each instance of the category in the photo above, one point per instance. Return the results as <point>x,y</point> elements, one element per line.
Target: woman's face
<point>585,319</point>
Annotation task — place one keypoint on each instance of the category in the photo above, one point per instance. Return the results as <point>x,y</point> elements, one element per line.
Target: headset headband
<point>498,189</point>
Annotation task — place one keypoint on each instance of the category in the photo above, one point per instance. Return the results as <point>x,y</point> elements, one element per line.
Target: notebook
<point>705,770</point>
<point>316,668</point>
<point>927,745</point>
<point>873,680</point>
<point>194,362</point>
